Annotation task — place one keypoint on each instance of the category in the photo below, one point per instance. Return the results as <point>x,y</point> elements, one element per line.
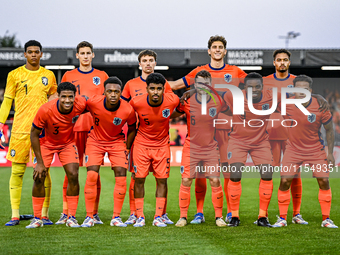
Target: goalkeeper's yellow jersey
<point>30,90</point>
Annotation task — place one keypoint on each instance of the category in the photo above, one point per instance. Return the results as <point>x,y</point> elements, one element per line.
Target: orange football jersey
<point>58,127</point>
<point>137,87</point>
<point>305,137</point>
<point>276,131</point>
<point>153,129</point>
<point>252,132</point>
<point>108,124</point>
<point>87,84</point>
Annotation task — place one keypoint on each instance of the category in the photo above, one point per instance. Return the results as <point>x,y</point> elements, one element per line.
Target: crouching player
<point>109,113</point>
<point>56,120</point>
<point>305,146</point>
<point>200,148</point>
<point>152,144</point>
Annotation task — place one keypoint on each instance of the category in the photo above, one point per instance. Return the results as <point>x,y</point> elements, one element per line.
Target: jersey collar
<point>109,109</point>
<point>147,99</point>
<point>142,78</point>
<point>85,72</point>
<point>216,69</point>
<point>62,112</point>
<point>278,79</point>
<point>200,101</point>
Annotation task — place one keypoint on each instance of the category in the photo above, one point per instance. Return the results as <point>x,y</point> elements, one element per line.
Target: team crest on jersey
<point>12,153</point>
<point>265,107</point>
<point>212,112</point>
<point>182,169</point>
<point>74,119</point>
<point>311,118</point>
<point>44,80</point>
<point>228,77</point>
<point>290,86</point>
<point>117,121</point>
<point>135,169</point>
<point>86,158</point>
<point>230,155</point>
<point>96,80</point>
<point>166,113</point>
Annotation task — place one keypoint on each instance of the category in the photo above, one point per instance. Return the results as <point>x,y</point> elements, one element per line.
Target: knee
<point>73,177</point>
<point>215,182</point>
<point>186,182</point>
<point>162,182</point>
<point>285,184</point>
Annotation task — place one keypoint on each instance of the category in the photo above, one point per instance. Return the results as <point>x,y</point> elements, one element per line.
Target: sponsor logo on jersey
<point>44,80</point>
<point>228,77</point>
<point>166,113</point>
<point>265,106</point>
<point>117,121</point>
<point>96,80</point>
<point>212,112</point>
<point>311,118</point>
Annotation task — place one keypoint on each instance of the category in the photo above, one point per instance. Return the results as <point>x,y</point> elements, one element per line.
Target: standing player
<point>133,88</point>
<point>89,82</point>
<point>57,119</point>
<point>29,86</point>
<point>305,146</point>
<point>152,144</point>
<point>109,113</point>
<point>253,139</point>
<point>221,73</point>
<point>200,147</point>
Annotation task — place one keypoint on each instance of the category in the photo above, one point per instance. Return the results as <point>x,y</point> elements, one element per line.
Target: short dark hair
<point>113,80</point>
<point>32,43</point>
<point>217,38</point>
<point>281,51</point>
<point>204,74</point>
<point>84,44</point>
<point>253,76</point>
<point>66,86</point>
<point>303,77</point>
<point>147,53</point>
<point>156,78</point>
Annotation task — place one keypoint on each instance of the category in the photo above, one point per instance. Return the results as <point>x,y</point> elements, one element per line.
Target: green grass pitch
<point>192,239</point>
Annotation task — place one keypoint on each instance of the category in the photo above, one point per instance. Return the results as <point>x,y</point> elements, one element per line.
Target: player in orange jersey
<point>249,135</point>
<point>220,73</point>
<point>200,149</point>
<point>29,86</point>
<point>137,87</point>
<point>109,113</point>
<point>56,120</point>
<point>305,146</point>
<point>152,144</point>
<point>89,82</point>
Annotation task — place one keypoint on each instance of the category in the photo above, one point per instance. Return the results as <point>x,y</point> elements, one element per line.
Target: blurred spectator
<point>178,139</point>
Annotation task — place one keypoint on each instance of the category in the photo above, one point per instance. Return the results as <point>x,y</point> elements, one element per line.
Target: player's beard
<point>283,70</point>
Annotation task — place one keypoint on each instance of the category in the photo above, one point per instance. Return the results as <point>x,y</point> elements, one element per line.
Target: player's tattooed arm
<point>130,135</point>
<point>324,106</point>
<point>330,142</point>
<point>40,169</point>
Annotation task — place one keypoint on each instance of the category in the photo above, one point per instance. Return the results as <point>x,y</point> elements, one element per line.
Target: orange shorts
<point>131,169</point>
<point>260,153</point>
<point>200,163</point>
<point>67,155</point>
<point>158,158</point>
<point>278,147</point>
<point>95,153</point>
<point>81,138</point>
<point>222,139</point>
<point>293,161</point>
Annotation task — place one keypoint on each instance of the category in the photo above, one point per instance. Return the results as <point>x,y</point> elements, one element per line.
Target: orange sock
<point>160,203</point>
<point>119,195</point>
<point>99,188</point>
<point>90,191</point>
<point>200,190</point>
<point>226,181</point>
<point>166,203</point>
<point>65,208</point>
<point>184,200</point>
<point>139,207</point>
<point>234,193</point>
<point>72,202</point>
<point>296,189</point>
<point>265,192</point>
<point>325,200</point>
<point>283,198</point>
<point>132,197</point>
<point>217,200</point>
<point>37,206</point>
